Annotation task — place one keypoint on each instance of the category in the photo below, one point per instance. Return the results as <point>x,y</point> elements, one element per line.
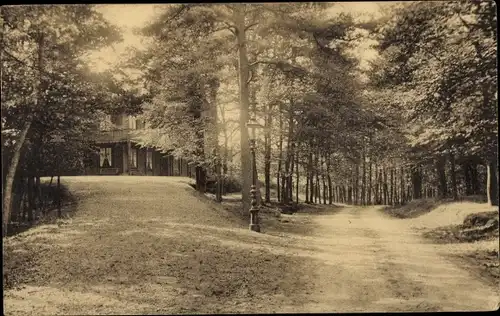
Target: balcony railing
<point>113,136</point>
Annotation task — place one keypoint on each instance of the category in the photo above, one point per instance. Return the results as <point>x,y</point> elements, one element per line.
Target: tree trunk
<point>243,72</point>
<point>402,186</point>
<point>377,196</point>
<point>31,198</point>
<point>363,181</point>
<point>454,187</point>
<point>325,189</point>
<point>38,194</point>
<point>220,179</point>
<point>416,180</point>
<point>267,166</point>
<point>386,193</point>
<point>467,178</point>
<point>476,188</point>
<point>9,179</point>
<point>356,185</point>
<point>290,152</point>
<point>311,179</point>
<point>201,179</point>
<point>330,189</point>
<point>317,196</point>
<point>369,198</point>
<point>492,182</point>
<point>297,174</point>
<point>441,174</point>
<point>307,187</point>
<point>59,197</point>
<point>391,196</point>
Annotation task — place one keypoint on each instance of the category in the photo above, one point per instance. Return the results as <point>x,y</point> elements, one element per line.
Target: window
<point>149,160</point>
<point>133,158</point>
<point>139,124</point>
<point>105,159</point>
<point>132,122</point>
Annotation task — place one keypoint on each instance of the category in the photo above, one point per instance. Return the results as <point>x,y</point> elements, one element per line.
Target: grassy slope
<point>147,245</point>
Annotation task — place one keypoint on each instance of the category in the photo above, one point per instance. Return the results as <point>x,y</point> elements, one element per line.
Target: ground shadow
<point>49,213</point>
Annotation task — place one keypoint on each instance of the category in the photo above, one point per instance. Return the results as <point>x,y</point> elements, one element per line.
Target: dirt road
<point>372,262</point>
<point>145,245</point>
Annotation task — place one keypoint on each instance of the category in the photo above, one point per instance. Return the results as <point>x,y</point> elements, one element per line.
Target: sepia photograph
<point>249,158</point>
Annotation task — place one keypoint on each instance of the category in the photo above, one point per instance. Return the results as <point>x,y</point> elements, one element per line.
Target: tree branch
<point>179,11</point>
<point>230,27</point>
<point>250,78</point>
<point>278,63</point>
<point>248,27</point>
<point>24,63</point>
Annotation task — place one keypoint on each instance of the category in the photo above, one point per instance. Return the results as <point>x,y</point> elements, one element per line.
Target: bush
<point>231,185</point>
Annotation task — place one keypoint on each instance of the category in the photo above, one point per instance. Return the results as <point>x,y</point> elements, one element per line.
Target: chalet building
<point>120,155</point>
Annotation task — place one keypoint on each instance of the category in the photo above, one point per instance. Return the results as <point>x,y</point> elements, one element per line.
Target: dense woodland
<point>419,122</point>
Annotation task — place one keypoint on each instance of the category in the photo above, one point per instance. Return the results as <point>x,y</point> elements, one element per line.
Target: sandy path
<point>373,263</point>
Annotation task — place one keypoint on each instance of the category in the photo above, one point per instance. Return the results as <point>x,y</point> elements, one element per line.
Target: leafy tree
<point>46,85</point>
<point>440,58</point>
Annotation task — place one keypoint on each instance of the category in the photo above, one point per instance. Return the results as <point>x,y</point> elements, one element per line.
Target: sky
<point>127,17</point>
<point>130,16</point>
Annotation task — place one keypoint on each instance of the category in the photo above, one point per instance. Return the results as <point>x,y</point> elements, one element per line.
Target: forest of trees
<point>419,122</point>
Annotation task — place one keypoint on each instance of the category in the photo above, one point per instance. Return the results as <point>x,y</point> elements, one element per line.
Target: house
<point>120,155</point>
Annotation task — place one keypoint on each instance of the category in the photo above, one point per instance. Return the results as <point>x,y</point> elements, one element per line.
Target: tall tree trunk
<point>391,196</point>
<point>297,174</point>
<point>363,180</point>
<point>369,198</point>
<point>307,187</point>
<point>416,180</point>
<point>377,196</point>
<point>356,184</point>
<point>290,177</point>
<point>454,187</point>
<point>9,179</point>
<point>467,178</point>
<point>59,197</point>
<point>318,188</point>
<point>243,72</point>
<point>476,188</point>
<point>213,86</point>
<point>201,179</point>
<point>402,186</point>
<point>330,187</point>
<point>441,174</point>
<point>38,194</point>
<point>290,151</point>
<point>31,198</point>
<point>311,178</point>
<point>492,182</point>
<point>267,160</point>
<point>323,179</point>
<point>386,193</point>
<point>280,157</point>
